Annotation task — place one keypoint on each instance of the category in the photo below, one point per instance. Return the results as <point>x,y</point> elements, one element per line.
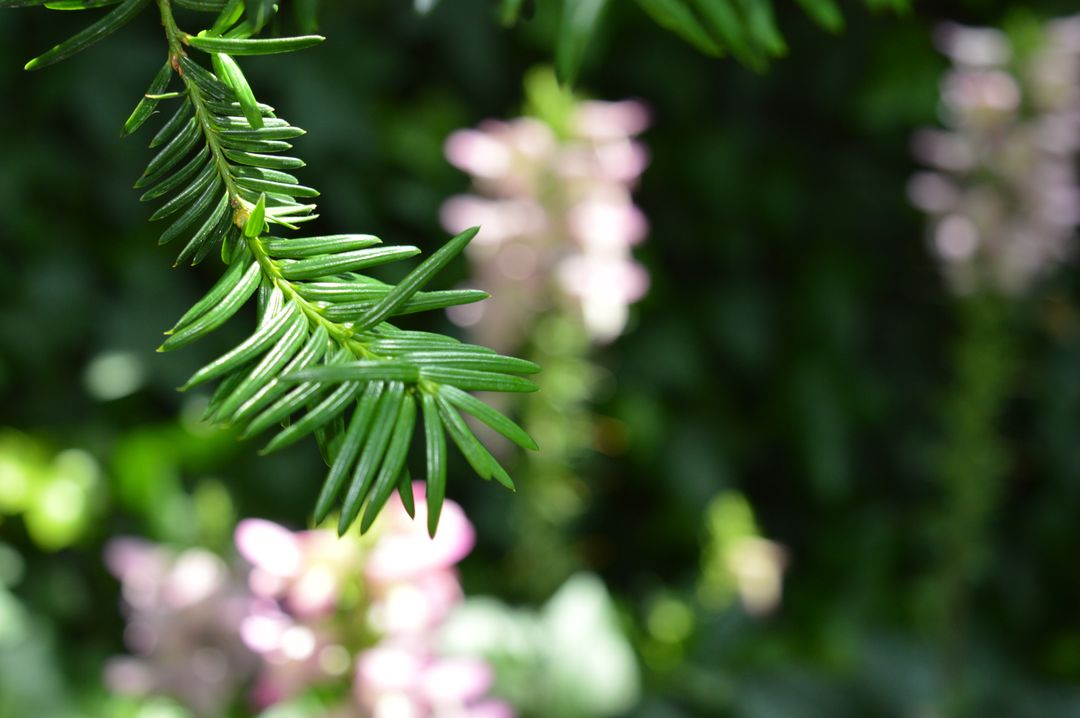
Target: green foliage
<point>323,359</point>
<point>745,29</point>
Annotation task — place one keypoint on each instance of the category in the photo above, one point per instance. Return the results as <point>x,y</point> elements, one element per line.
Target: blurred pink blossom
<point>314,609</point>
<point>557,217</point>
<point>1002,192</point>
<point>183,611</point>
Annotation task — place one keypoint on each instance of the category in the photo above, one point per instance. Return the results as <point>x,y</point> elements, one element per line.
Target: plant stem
<point>343,334</point>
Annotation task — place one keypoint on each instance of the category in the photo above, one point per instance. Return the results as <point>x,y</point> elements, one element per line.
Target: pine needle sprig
<point>323,359</point>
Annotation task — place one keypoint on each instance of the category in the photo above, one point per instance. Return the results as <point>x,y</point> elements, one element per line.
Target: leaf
<point>267,368</point>
<point>247,350</point>
<point>481,460</point>
<point>79,4</point>
<point>101,29</point>
<point>302,247</point>
<point>416,279</point>
<point>435,446</point>
<point>474,380</point>
<point>578,24</point>
<point>489,416</point>
<point>202,5</point>
<point>312,351</point>
<point>173,152</point>
<point>679,18</point>
<point>350,447</point>
<point>463,359</point>
<point>231,74</point>
<point>329,264</point>
<point>259,160</point>
<point>231,12</point>
<point>372,456</point>
<point>219,314</point>
<point>207,83</point>
<point>236,46</point>
<point>213,229</point>
<point>825,13</point>
<point>256,221</point>
<point>146,105</point>
<point>725,22</point>
<point>393,464</point>
<point>228,281</point>
<point>173,126</point>
<point>364,370</point>
<point>191,214</point>
<point>325,411</point>
<point>259,12</point>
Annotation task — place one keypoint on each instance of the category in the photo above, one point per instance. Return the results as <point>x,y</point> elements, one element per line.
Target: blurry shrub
<point>570,659</point>
<point>54,494</point>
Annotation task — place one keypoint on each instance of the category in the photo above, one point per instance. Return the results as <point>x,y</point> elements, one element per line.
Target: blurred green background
<point>798,346</point>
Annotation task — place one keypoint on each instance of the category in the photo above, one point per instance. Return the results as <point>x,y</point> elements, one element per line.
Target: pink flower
<point>405,551</point>
<point>306,569</point>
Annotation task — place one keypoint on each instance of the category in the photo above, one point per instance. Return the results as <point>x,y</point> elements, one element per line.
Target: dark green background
<point>796,343</point>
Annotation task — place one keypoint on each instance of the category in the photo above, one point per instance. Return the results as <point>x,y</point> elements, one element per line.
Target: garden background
<point>798,378</point>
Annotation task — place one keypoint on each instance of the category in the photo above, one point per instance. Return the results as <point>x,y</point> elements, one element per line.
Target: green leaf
<point>259,160</point>
<point>213,230</point>
<point>724,21</point>
<point>228,281</point>
<point>101,29</point>
<point>350,447</point>
<point>416,279</point>
<point>303,247</point>
<point>435,446</point>
<point>481,460</point>
<point>173,125</point>
<point>825,13</point>
<point>761,24</point>
<point>231,74</point>
<point>230,14</point>
<point>267,368</point>
<point>483,361</point>
<point>247,350</point>
<point>396,453</point>
<point>79,4</point>
<point>193,167</point>
<point>381,429</point>
<point>579,21</point>
<point>188,194</point>
<point>474,380</point>
<point>172,153</point>
<point>327,409</point>
<point>219,314</point>
<point>201,5</point>
<point>364,370</point>
<point>256,221</point>
<point>420,302</point>
<point>330,264</point>
<point>198,209</point>
<point>268,46</point>
<point>207,83</point>
<point>259,12</point>
<point>679,18</point>
<point>278,132</point>
<point>146,105</point>
<point>290,189</point>
<point>317,345</point>
<point>489,416</point>
<point>405,491</point>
